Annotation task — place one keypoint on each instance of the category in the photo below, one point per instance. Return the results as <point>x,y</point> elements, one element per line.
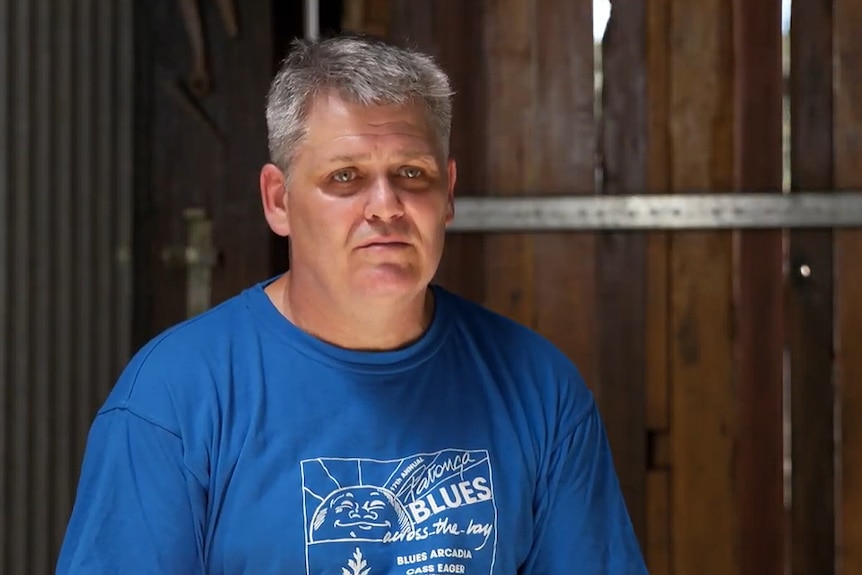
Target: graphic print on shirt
<point>425,514</point>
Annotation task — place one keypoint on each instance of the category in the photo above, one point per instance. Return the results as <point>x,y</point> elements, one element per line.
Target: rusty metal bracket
<point>200,80</point>
<point>199,256</point>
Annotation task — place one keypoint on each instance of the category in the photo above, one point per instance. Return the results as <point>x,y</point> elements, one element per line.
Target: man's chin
<point>389,282</point>
<point>394,292</point>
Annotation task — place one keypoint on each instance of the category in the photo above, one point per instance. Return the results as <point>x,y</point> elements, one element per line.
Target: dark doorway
<point>199,152</point>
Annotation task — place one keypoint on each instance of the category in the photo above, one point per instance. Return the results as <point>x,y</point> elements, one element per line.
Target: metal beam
<point>811,209</point>
<point>311,19</point>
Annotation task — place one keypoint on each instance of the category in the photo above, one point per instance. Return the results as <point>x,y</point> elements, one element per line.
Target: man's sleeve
<point>582,525</point>
<point>138,508</point>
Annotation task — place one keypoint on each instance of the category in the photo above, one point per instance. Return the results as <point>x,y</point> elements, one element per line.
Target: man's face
<point>368,199</point>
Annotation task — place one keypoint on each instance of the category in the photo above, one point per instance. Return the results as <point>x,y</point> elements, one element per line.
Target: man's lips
<point>385,243</point>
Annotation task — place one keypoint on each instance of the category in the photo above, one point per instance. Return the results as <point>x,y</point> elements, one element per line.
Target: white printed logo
<point>356,565</point>
<point>424,514</point>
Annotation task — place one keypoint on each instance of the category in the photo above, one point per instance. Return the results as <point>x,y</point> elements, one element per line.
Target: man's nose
<point>384,201</point>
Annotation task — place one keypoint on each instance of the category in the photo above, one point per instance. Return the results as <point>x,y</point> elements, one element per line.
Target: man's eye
<point>343,176</point>
<point>411,172</point>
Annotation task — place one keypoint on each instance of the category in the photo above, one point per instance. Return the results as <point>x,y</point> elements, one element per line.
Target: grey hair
<point>360,70</point>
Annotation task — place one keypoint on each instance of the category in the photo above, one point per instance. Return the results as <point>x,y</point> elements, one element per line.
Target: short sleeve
<point>581,521</point>
<point>138,509</point>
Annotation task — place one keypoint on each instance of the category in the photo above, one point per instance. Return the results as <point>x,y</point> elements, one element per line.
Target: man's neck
<point>352,325</point>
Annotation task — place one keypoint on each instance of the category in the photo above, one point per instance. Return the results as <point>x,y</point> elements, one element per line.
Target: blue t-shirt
<point>234,443</point>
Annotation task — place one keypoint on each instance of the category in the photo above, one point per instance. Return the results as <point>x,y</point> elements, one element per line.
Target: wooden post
<point>541,139</point>
<point>703,404</point>
<point>657,345</point>
<point>621,256</point>
<point>760,281</point>
<point>810,297</point>
<point>848,152</point>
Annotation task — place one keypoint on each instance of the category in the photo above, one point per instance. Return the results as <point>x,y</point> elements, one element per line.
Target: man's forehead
<point>341,130</point>
<point>348,146</point>
<point>333,155</point>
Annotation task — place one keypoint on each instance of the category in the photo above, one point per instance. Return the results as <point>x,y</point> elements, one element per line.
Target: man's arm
<point>138,507</point>
<point>582,525</point>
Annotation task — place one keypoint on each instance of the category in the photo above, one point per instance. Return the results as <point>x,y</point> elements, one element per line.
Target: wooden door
<point>204,69</point>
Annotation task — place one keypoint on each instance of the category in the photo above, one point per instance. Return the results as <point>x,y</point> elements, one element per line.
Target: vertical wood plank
<point>759,313</point>
<point>658,181</point>
<point>702,406</point>
<point>810,297</point>
<point>658,539</point>
<point>848,151</point>
<point>658,526</point>
<point>564,140</point>
<point>621,256</point>
<point>511,151</point>
<point>454,35</point>
<point>366,17</point>
<point>541,139</point>
<point>535,136</point>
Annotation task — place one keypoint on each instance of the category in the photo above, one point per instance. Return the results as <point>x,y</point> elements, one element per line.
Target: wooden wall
<point>847,152</point>
<point>700,345</point>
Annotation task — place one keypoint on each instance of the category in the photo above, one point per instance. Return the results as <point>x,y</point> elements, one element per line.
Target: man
<point>349,416</point>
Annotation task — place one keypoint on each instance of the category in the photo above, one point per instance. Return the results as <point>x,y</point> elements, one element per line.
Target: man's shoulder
<point>524,363</point>
<point>190,340</point>
<point>175,363</point>
<point>505,340</point>
<point>497,330</point>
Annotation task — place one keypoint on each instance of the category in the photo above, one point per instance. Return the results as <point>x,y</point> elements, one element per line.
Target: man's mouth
<point>386,242</point>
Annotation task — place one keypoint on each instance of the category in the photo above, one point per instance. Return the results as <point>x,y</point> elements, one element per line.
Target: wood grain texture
<point>658,534</point>
<point>848,151</point>
<point>657,306</point>
<point>621,256</point>
<point>511,152</point>
<point>703,403</point>
<point>760,289</point>
<point>810,309</point>
<point>565,144</point>
<point>658,243</point>
<point>541,139</point>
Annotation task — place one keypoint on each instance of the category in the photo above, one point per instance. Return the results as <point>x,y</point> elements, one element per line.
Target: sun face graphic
<point>358,512</point>
<point>352,503</point>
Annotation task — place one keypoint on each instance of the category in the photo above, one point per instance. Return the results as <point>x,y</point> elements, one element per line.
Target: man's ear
<point>273,195</point>
<point>452,172</point>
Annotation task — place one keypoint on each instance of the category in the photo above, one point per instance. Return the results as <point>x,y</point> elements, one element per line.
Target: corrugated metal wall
<point>66,70</point>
